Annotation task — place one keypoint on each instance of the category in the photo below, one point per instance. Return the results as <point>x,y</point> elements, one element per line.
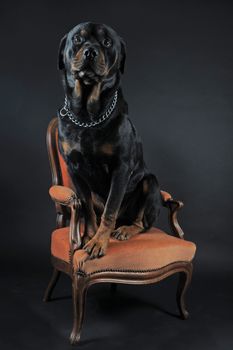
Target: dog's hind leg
<point>154,203</point>
<point>146,206</point>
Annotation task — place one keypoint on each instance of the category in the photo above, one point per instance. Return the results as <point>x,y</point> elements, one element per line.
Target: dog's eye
<point>77,39</point>
<point>107,42</point>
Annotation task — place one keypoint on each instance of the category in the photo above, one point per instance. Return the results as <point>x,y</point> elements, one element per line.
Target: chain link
<point>65,111</point>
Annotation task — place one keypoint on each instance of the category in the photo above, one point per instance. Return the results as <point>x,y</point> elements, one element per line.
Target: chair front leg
<point>79,295</point>
<point>183,284</point>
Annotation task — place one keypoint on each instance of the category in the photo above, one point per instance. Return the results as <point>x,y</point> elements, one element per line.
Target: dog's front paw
<point>89,233</point>
<point>123,233</point>
<point>96,247</point>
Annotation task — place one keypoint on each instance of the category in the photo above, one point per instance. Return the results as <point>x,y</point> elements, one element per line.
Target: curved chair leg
<point>79,296</point>
<point>183,284</point>
<point>52,283</point>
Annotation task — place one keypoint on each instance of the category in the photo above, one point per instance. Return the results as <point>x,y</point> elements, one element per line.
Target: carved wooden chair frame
<point>80,281</point>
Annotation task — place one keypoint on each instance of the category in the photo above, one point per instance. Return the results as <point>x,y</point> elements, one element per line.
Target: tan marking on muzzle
<point>107,72</point>
<point>100,64</point>
<point>78,59</point>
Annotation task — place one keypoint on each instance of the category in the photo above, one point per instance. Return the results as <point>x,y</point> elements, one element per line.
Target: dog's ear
<point>60,60</point>
<point>123,56</point>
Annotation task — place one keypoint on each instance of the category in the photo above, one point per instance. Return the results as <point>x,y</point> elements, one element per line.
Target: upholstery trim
<point>83,274</point>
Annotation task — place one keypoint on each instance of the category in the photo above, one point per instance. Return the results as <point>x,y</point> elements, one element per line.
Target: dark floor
<point>135,317</point>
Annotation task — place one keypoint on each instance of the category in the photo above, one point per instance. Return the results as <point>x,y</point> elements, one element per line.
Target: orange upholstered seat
<point>151,250</point>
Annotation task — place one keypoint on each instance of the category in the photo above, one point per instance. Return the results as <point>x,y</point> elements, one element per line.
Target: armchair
<point>146,258</point>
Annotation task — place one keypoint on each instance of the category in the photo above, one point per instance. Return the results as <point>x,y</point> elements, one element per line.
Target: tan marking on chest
<point>66,147</point>
<point>145,187</point>
<point>107,148</point>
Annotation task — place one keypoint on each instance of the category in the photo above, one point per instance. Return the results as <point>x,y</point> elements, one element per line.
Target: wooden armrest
<point>166,196</point>
<point>65,196</point>
<point>173,206</point>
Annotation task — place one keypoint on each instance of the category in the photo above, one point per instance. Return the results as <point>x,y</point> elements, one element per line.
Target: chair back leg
<point>183,284</point>
<point>52,283</point>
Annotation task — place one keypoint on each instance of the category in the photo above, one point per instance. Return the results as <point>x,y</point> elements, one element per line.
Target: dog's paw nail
<point>88,250</point>
<point>101,253</point>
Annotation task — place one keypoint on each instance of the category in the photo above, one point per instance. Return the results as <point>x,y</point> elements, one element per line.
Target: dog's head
<point>91,52</point>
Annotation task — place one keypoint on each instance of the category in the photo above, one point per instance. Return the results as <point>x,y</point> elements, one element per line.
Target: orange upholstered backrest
<point>59,169</point>
<point>66,180</point>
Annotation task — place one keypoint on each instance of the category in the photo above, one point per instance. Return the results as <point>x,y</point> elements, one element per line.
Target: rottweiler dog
<point>99,142</point>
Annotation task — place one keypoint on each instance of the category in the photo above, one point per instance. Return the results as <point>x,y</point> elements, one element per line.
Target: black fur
<point>105,162</point>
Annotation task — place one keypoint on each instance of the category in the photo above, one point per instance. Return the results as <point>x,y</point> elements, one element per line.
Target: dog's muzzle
<point>90,53</point>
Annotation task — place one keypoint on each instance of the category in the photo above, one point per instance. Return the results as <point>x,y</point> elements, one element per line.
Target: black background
<point>179,70</point>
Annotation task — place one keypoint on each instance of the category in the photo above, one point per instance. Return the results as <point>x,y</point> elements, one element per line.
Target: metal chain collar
<point>65,111</point>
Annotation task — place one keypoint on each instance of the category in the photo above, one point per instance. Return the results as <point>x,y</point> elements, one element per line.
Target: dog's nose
<point>90,52</point>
